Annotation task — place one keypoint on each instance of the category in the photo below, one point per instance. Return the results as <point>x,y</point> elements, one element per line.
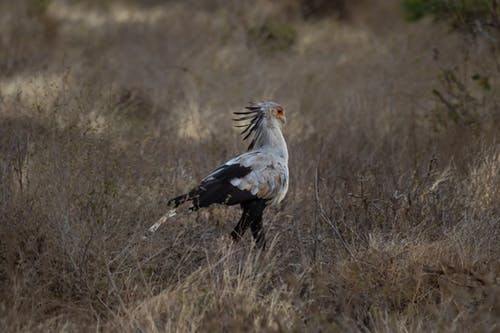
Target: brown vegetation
<point>108,109</point>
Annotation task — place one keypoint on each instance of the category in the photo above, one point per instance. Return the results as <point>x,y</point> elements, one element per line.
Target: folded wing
<point>267,179</point>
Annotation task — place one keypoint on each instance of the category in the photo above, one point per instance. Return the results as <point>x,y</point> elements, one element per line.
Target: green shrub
<point>466,96</point>
<point>39,7</point>
<point>460,14</point>
<point>273,36</point>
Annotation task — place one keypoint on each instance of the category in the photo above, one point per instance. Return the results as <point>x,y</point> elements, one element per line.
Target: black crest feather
<point>255,115</point>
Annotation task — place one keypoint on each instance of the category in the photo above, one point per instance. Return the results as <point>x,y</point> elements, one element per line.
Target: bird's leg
<point>258,232</point>
<point>242,226</point>
<point>251,217</point>
<point>256,223</point>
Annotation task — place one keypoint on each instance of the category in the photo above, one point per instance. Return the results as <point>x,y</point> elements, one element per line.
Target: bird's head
<point>273,111</point>
<point>260,116</point>
<point>269,114</point>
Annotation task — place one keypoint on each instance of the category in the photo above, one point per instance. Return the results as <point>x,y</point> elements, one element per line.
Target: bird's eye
<point>279,110</point>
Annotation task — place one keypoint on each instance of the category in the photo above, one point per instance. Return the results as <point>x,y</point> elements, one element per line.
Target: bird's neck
<point>272,139</point>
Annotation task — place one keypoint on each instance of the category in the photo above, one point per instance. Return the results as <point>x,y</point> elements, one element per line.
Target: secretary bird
<point>254,180</point>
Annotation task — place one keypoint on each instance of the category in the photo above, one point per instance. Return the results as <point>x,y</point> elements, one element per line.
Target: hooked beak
<point>282,118</point>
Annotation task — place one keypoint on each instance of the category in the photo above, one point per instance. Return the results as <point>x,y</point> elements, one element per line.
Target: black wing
<point>217,188</point>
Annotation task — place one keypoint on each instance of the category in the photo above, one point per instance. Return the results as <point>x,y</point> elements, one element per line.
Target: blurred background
<point>109,108</point>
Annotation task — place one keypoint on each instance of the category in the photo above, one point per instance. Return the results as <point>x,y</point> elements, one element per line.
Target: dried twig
<point>326,219</point>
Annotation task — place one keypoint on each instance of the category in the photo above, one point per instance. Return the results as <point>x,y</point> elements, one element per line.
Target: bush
<point>273,35</point>
<point>320,8</point>
<point>468,15</point>
<point>466,97</point>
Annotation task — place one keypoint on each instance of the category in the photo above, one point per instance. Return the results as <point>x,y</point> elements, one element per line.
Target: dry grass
<point>107,109</point>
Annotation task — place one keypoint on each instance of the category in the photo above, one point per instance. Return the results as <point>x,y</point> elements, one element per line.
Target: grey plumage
<point>255,179</point>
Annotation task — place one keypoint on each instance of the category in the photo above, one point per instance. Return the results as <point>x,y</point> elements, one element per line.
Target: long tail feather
<point>163,219</point>
<point>177,201</point>
<point>174,203</point>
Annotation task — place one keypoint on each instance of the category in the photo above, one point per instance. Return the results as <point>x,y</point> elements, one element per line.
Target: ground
<point>110,108</point>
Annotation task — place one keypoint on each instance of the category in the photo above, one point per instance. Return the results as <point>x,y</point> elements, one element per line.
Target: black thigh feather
<point>251,217</point>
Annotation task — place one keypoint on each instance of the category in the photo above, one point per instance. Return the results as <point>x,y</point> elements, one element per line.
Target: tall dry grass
<point>107,109</point>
